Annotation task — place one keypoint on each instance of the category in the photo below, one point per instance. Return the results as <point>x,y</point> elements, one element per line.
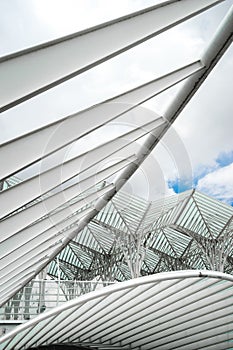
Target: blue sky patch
<point>224,158</point>
<point>182,184</point>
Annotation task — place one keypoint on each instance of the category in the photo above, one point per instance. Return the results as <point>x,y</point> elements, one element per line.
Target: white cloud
<point>218,184</point>
<point>206,124</point>
<point>149,181</point>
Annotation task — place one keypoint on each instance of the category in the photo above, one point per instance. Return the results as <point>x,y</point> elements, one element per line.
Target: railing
<point>41,295</point>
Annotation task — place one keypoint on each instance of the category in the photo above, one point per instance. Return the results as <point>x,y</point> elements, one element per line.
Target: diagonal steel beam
<point>45,66</point>
<point>212,55</point>
<point>40,143</point>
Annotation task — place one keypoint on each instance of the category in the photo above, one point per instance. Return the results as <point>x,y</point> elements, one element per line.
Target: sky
<point>196,152</point>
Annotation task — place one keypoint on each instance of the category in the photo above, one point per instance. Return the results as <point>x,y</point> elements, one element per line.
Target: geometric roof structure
<point>133,237</point>
<point>70,204</point>
<point>46,65</point>
<point>179,309</point>
<point>43,213</point>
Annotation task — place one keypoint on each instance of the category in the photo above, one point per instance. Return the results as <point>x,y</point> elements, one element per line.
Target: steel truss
<point>186,231</point>
<point>42,214</point>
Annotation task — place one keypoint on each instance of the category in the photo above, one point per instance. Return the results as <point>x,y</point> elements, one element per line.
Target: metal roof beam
<point>49,64</point>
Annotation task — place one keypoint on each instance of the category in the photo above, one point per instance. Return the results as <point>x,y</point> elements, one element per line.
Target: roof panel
<point>197,302</point>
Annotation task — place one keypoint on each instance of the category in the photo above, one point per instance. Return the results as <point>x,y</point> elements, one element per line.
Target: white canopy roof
<point>44,66</point>
<point>181,310</point>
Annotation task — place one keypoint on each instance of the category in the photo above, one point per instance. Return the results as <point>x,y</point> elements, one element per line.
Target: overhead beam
<point>23,218</point>
<point>212,55</point>
<point>39,143</point>
<point>38,185</point>
<point>44,66</point>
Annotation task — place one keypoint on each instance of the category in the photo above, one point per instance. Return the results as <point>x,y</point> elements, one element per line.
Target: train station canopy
<point>132,237</point>
<point>50,208</point>
<point>40,215</point>
<point>171,310</point>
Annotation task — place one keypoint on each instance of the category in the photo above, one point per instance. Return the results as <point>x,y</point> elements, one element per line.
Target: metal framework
<point>60,205</point>
<point>41,295</point>
<point>131,237</point>
<point>69,56</point>
<point>35,224</point>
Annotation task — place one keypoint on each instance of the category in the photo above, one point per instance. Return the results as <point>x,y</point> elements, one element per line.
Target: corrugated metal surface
<point>176,310</point>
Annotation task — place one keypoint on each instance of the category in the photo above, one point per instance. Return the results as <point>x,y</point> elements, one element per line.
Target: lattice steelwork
<point>59,205</point>
<point>40,215</point>
<point>132,237</point>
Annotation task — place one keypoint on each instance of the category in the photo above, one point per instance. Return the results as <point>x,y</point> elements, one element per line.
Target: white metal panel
<point>67,319</point>
<point>159,322</point>
<point>49,64</point>
<point>27,261</point>
<point>27,216</point>
<point>60,220</point>
<point>16,283</point>
<point>39,143</point>
<point>96,308</point>
<point>192,337</point>
<point>162,300</point>
<point>215,49</point>
<point>35,253</point>
<point>28,252</point>
<point>188,91</point>
<point>30,233</point>
<point>19,195</point>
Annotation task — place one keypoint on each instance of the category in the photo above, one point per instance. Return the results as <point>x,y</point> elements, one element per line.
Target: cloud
<point>148,181</point>
<point>206,124</point>
<point>218,184</point>
<point>225,158</point>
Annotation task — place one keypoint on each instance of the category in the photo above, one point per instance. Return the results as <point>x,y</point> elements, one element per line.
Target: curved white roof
<point>173,310</point>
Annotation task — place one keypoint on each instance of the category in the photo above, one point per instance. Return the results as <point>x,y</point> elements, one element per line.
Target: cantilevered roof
<point>49,64</point>
<point>40,215</point>
<point>173,310</point>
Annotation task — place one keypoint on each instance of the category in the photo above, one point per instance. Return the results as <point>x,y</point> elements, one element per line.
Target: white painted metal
<point>148,312</point>
<point>178,317</point>
<point>211,56</point>
<point>23,218</point>
<point>25,192</point>
<point>49,64</point>
<point>22,194</point>
<point>218,46</point>
<point>60,220</point>
<point>39,143</point>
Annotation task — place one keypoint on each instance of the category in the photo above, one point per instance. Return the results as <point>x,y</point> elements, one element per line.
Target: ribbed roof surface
<point>175,310</point>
